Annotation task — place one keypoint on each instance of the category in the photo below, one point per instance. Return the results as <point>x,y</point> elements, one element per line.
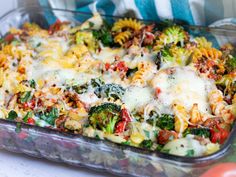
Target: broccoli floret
<point>80,89</point>
<point>97,82</point>
<point>110,91</point>
<point>230,64</point>
<point>164,121</point>
<point>164,55</point>
<point>105,116</point>
<point>174,34</point>
<point>146,144</point>
<point>203,132</point>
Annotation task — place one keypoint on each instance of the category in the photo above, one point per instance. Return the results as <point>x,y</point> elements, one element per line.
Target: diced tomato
<point>150,36</point>
<point>55,27</point>
<point>125,115</point>
<point>219,134</point>
<point>165,135</point>
<point>157,91</point>
<point>29,105</point>
<point>121,66</point>
<point>9,37</point>
<point>107,66</point>
<point>31,121</point>
<point>120,127</point>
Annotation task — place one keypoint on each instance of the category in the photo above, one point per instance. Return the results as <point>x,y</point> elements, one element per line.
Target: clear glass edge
<point>173,159</point>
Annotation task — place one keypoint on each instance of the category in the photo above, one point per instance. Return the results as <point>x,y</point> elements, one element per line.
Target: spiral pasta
<point>142,76</point>
<point>195,115</point>
<point>181,117</point>
<point>219,107</point>
<point>34,29</point>
<point>122,37</point>
<point>208,61</point>
<point>202,42</point>
<point>126,23</point>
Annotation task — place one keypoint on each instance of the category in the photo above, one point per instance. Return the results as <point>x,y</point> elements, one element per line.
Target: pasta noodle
<point>126,23</point>
<point>122,37</point>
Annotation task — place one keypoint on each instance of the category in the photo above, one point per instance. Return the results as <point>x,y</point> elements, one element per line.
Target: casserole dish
<point>97,154</point>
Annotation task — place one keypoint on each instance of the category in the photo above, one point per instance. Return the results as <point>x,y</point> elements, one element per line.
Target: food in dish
<point>127,82</point>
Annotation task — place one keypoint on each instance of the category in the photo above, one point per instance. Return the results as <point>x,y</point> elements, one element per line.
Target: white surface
<point>18,165</point>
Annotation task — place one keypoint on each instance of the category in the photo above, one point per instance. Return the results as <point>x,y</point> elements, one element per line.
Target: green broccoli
<point>230,64</point>
<point>80,89</point>
<point>203,132</point>
<point>105,117</point>
<point>174,34</point>
<point>97,82</point>
<point>164,121</point>
<point>164,55</point>
<point>110,91</point>
<point>146,144</point>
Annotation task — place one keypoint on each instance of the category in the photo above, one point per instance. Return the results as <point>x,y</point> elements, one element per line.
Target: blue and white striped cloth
<point>195,12</point>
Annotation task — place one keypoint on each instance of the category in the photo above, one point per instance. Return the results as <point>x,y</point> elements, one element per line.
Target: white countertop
<point>19,165</point>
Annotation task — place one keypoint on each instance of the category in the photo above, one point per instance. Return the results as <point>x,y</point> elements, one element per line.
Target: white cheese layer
<point>183,85</point>
<point>136,97</point>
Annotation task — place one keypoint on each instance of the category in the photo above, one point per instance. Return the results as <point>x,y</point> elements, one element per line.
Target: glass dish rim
<point>174,159</point>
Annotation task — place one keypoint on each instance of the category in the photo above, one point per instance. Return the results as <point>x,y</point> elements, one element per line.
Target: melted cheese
<point>183,86</point>
<point>107,55</point>
<point>183,146</point>
<point>136,97</point>
<point>59,75</point>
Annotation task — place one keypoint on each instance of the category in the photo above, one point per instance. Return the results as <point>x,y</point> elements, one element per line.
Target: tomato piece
<point>107,66</point>
<point>219,134</point>
<point>30,121</point>
<point>29,105</point>
<point>55,27</point>
<point>165,135</point>
<point>120,127</point>
<point>121,66</point>
<point>9,37</point>
<point>221,170</point>
<point>215,136</point>
<point>125,115</point>
<point>157,91</point>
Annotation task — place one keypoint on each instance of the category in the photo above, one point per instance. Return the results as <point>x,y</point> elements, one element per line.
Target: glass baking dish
<point>100,154</point>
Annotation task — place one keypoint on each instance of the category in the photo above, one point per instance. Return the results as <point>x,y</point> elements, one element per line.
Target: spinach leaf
<point>32,83</point>
<point>50,116</point>
<point>25,118</point>
<point>190,153</point>
<point>12,115</point>
<point>25,97</point>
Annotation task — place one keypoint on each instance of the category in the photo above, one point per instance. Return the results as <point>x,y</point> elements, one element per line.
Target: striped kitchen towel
<point>194,12</point>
